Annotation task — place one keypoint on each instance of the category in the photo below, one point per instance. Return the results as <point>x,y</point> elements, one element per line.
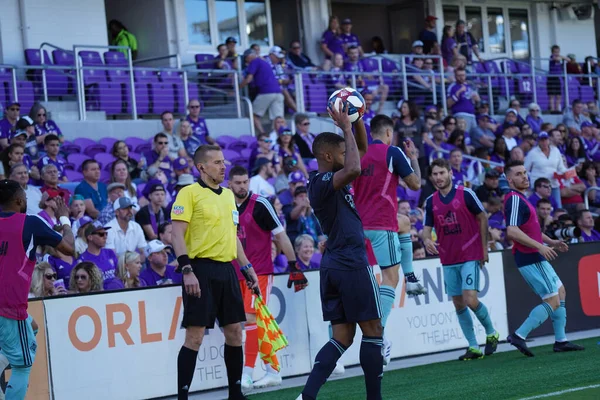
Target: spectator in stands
<point>263,170</point>
<point>490,186</point>
<point>510,119</point>
<point>62,263</point>
<point>304,246</point>
<point>459,173</point>
<point>548,126</point>
<point>437,143</point>
<point>197,123</point>
<point>18,172</point>
<point>542,190</point>
<point>165,235</point>
<point>297,59</point>
<point>42,282</point>
<point>76,208</point>
<point>543,161</point>
<point>120,150</point>
<point>428,35</point>
<point>124,234</point>
<point>461,97</point>
<point>517,154</point>
<point>481,135</point>
<point>418,251</point>
<point>120,36</point>
<point>93,191</point>
<point>286,147</point>
<point>556,140</point>
<point>120,174</point>
<point>573,66</point>
<point>534,118</point>
<point>349,39</point>
<point>369,113</point>
<point>574,118</point>
<point>331,41</point>
<point>571,191</point>
<point>86,277</point>
<point>269,97</point>
<point>105,259</point>
<point>353,65</point>
<point>176,147</point>
<point>9,122</point>
<point>500,153</point>
<point>48,207</point>
<point>467,45</point>
<point>417,50</point>
<point>278,123</point>
<point>44,126</point>
<point>81,240</point>
<point>457,140</point>
<point>575,152</point>
<point>115,192</point>
<point>158,157</point>
<point>377,45</point>
<point>337,79</point>
<point>13,154</point>
<point>264,150</point>
<point>156,175</point>
<point>589,176</point>
<point>25,124</point>
<point>449,46</point>
<point>295,180</point>
<point>158,273</point>
<point>300,218</point>
<point>585,222</point>
<point>510,137</point>
<point>589,137</point>
<point>221,59</point>
<point>50,179</point>
<point>282,73</point>
<point>130,265</point>
<point>52,147</point>
<point>303,138</point>
<point>190,142</point>
<point>153,214</point>
<point>278,207</point>
<point>515,104</point>
<point>423,79</point>
<point>410,126</point>
<point>544,213</point>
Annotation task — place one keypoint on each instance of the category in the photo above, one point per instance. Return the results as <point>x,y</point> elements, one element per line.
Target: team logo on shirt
<point>177,210</point>
<point>449,223</point>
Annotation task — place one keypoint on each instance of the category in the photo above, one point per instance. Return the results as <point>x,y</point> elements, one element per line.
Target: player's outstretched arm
<point>515,233</point>
<point>361,137</point>
<point>351,168</point>
<point>556,244</point>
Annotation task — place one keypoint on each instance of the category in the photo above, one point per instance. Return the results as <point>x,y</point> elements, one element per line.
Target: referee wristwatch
<point>186,270</point>
<point>185,261</point>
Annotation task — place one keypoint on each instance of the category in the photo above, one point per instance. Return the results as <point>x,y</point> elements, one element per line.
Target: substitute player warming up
<point>258,225</point>
<point>531,256</point>
<point>461,225</point>
<point>20,234</point>
<point>205,220</point>
<point>375,196</point>
<point>349,291</point>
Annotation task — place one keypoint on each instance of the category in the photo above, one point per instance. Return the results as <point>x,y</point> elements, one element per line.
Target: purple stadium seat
<point>573,88</point>
<point>140,190</point>
<point>63,57</point>
<point>84,142</point>
<point>77,160</point>
<point>230,154</point>
<point>143,148</point>
<point>205,61</point>
<point>120,78</point>
<point>25,92</point>
<point>57,82</point>
<point>105,176</point>
<point>133,142</point>
<point>237,145</point>
<point>497,76</point>
<point>225,140</point>
<point>108,142</point>
<point>193,93</point>
<point>115,58</point>
<point>513,67</point>
<point>73,176</point>
<point>586,93</point>
<point>162,95</point>
<point>70,148</point>
<point>524,68</point>
<point>100,94</point>
<point>136,156</point>
<point>390,66</point>
<point>174,79</point>
<point>246,153</point>
<point>371,65</point>
<point>94,149</point>
<point>316,96</point>
<point>105,159</point>
<point>412,196</point>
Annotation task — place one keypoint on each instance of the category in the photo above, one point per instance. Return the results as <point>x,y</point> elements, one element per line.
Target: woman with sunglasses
<point>264,150</point>
<point>303,138</point>
<point>62,263</point>
<point>286,147</point>
<point>500,152</point>
<point>43,125</point>
<point>130,265</point>
<point>120,151</point>
<point>534,118</point>
<point>42,282</point>
<point>85,278</point>
<point>278,123</point>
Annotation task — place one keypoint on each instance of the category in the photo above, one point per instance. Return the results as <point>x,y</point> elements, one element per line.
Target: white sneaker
<point>299,397</point>
<point>386,351</point>
<point>415,288</point>
<point>339,369</point>
<point>246,383</point>
<point>1,395</point>
<point>268,380</point>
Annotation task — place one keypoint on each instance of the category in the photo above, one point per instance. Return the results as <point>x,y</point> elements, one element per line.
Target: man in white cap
<point>277,59</point>
<point>115,191</point>
<point>157,272</point>
<point>125,234</point>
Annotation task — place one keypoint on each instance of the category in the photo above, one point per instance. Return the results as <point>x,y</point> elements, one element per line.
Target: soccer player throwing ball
<point>461,226</point>
<point>349,291</point>
<point>531,257</point>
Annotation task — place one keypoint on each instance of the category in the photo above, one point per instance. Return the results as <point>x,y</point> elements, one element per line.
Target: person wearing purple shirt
<point>461,97</point>
<point>336,79</point>
<point>105,259</point>
<point>157,272</point>
<point>348,38</point>
<point>52,146</point>
<point>62,266</point>
<point>459,173</point>
<point>585,222</point>
<point>8,123</point>
<point>448,47</point>
<point>533,118</point>
<point>198,124</point>
<point>305,249</point>
<point>159,156</point>
<point>542,190</point>
<point>43,126</point>
<point>438,141</point>
<point>553,83</point>
<point>331,42</point>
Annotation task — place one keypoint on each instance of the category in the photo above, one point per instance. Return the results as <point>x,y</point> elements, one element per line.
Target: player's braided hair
<point>8,190</point>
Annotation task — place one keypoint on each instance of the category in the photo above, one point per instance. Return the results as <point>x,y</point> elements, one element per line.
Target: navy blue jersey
<point>473,204</point>
<point>517,213</point>
<point>339,220</point>
<point>36,232</point>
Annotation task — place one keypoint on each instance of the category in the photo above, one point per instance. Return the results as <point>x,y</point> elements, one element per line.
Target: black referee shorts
<point>220,296</point>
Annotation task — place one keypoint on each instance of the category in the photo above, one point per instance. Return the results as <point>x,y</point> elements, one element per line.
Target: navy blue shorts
<point>349,295</point>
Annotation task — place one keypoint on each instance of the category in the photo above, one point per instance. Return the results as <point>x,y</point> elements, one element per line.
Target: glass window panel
<point>519,33</point>
<point>227,19</point>
<point>451,15</point>
<point>495,20</point>
<point>474,25</point>
<point>198,27</point>
<point>256,22</point>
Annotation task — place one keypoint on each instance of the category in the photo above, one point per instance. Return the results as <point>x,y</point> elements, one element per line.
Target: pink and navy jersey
<point>375,188</point>
<point>454,218</point>
<point>519,212</point>
<point>19,237</point>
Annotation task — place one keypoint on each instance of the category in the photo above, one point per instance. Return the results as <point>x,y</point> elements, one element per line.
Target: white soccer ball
<point>353,98</point>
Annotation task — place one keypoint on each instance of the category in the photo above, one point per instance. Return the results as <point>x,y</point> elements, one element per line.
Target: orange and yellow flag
<point>270,337</point>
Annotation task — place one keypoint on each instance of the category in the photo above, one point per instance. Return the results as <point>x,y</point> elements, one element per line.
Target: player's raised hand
<point>61,208</point>
<point>560,246</point>
<point>431,247</point>
<point>548,253</point>
<point>340,115</point>
<point>409,149</point>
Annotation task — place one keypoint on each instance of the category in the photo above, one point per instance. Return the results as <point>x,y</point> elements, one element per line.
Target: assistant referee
<point>205,220</point>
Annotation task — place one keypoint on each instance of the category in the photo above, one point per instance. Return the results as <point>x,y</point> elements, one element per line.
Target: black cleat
<point>491,343</point>
<point>471,354</point>
<point>519,344</point>
<point>560,347</point>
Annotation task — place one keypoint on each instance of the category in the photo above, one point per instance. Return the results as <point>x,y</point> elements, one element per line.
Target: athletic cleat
<point>268,380</point>
<point>471,354</point>
<point>491,343</point>
<point>1,395</point>
<point>560,347</point>
<point>415,288</point>
<point>246,383</point>
<point>339,369</point>
<point>520,344</point>
<point>386,351</point>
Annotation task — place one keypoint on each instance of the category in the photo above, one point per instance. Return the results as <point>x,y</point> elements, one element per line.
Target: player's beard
<point>241,195</point>
<point>446,184</point>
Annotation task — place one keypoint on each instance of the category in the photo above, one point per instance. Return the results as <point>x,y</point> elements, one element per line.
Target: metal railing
<point>586,199</point>
<point>439,153</point>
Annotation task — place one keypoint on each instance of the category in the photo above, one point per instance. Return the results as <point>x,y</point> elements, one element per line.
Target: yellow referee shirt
<point>212,217</point>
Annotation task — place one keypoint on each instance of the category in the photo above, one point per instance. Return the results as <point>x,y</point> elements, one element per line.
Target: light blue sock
<point>406,256</point>
<point>387,294</point>
<point>482,314</point>
<point>466,324</point>
<point>17,385</point>
<point>537,317</point>
<point>559,322</point>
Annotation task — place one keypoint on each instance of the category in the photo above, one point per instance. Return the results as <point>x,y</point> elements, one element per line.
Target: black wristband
<point>183,260</point>
<point>292,265</point>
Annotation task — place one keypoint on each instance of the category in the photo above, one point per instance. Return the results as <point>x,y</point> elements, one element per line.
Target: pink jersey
<point>531,227</point>
<point>457,230</point>
<point>15,268</point>
<point>375,191</point>
<point>255,240</point>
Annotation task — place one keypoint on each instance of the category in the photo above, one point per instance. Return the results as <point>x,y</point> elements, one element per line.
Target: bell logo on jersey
<point>589,285</point>
<point>450,223</point>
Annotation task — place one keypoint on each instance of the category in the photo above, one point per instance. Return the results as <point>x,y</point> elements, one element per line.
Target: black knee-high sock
<point>371,362</point>
<point>186,365</point>
<point>323,367</point>
<point>234,362</point>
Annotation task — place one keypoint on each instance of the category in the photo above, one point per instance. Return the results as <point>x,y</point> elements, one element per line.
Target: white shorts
<point>272,102</point>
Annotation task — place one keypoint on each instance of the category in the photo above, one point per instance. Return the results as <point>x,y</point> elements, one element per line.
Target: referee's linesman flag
<point>270,337</point>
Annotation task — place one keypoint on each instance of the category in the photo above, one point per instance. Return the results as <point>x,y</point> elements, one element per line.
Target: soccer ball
<point>354,100</point>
